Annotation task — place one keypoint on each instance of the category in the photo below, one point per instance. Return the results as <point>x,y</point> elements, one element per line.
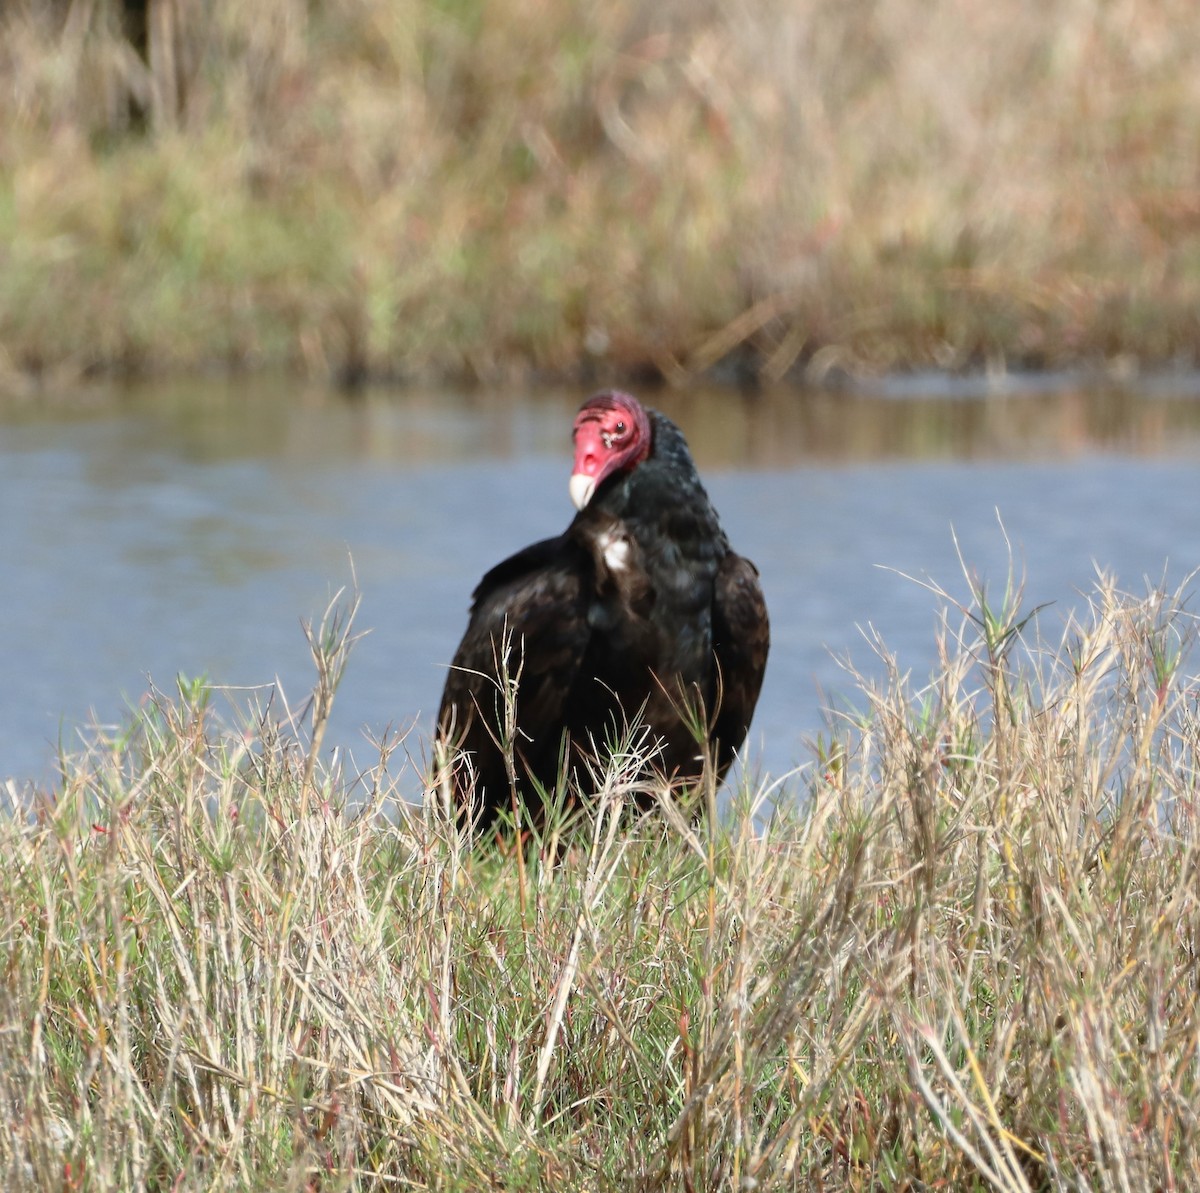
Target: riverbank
<point>418,191</point>
<point>966,957</point>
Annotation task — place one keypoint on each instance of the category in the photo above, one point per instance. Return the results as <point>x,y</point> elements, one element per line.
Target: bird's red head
<point>612,434</point>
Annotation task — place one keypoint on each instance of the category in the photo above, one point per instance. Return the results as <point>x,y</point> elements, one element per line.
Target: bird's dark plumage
<point>639,607</point>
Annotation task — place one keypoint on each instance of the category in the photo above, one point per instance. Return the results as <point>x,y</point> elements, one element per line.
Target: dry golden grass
<point>416,188</point>
<point>967,959</point>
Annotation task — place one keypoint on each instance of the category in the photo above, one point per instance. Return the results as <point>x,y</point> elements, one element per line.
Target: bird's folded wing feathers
<point>741,640</point>
<point>528,622</point>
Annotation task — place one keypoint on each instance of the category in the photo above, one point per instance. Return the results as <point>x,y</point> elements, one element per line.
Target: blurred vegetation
<point>448,188</point>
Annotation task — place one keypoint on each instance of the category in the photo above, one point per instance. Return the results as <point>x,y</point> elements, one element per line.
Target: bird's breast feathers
<point>613,547</point>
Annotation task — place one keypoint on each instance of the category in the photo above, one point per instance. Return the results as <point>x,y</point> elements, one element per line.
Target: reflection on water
<point>189,528</point>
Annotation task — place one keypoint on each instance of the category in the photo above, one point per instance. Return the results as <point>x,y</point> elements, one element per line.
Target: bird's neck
<point>659,501</point>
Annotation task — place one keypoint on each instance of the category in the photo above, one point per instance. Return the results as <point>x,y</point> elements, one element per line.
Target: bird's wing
<point>741,639</point>
<point>529,625</point>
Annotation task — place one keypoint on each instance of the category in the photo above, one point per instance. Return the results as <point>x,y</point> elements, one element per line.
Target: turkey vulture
<point>637,609</point>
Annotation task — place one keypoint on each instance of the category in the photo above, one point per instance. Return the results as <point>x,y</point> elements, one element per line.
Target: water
<point>190,528</point>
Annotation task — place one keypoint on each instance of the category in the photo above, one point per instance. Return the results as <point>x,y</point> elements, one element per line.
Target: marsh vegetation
<point>959,950</point>
<point>407,188</point>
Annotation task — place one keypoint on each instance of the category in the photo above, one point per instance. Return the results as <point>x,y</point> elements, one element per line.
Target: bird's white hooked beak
<point>581,488</point>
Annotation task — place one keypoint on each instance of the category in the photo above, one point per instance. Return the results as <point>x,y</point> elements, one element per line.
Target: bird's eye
<point>620,428</point>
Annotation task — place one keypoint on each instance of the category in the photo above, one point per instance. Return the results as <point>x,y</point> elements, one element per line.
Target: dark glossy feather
<point>528,624</point>
<point>741,640</point>
<point>638,608</point>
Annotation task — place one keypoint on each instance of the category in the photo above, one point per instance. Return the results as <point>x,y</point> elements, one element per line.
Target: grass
<point>444,188</point>
<point>958,952</point>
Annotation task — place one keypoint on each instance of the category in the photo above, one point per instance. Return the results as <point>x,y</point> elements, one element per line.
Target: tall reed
<point>958,951</point>
<point>408,188</point>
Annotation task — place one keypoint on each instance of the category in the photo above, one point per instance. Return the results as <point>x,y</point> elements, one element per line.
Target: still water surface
<point>190,528</point>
